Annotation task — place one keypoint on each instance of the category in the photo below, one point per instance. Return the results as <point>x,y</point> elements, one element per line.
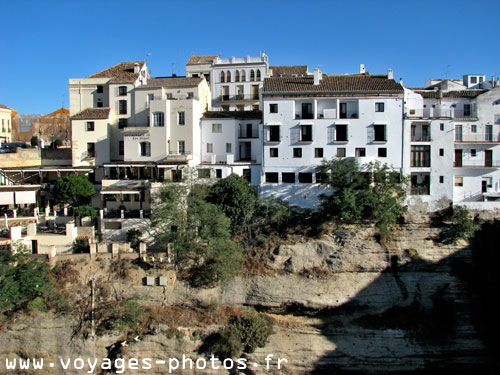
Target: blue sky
<point>47,42</point>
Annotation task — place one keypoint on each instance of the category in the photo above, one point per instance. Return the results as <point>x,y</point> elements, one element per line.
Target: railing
<point>218,159</point>
<point>477,164</point>
<point>227,98</point>
<point>478,138</point>
<point>245,134</point>
<point>86,155</point>
<point>421,138</point>
<point>420,190</point>
<point>461,113</point>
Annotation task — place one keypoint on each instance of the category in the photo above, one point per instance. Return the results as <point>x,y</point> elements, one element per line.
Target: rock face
<point>395,307</point>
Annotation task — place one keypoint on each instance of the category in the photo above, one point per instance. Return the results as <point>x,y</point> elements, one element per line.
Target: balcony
<point>420,190</point>
<point>476,164</point>
<point>442,113</point>
<point>464,114</point>
<point>238,97</point>
<point>179,156</point>
<point>421,138</point>
<point>218,159</point>
<point>477,138</point>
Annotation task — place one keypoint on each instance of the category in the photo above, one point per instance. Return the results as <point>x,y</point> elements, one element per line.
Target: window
<point>420,156</point>
<point>158,119</point>
<point>237,76</point>
<point>272,177</point>
<point>121,148</point>
<point>204,173</point>
<point>341,133</point>
<point>169,95</point>
<point>318,152</point>
<point>216,128</point>
<point>122,90</point>
<point>149,99</point>
<point>473,152</point>
<point>210,147</point>
<point>441,126</point>
<point>247,174</point>
<point>273,152</point>
<point>122,123</point>
<point>181,119</point>
<point>218,173</point>
<point>222,76</point>
<point>91,150</point>
<point>181,147</point>
<point>273,108</point>
<point>90,126</point>
<point>473,79</point>
<point>360,152</point>
<point>229,147</point>
<point>379,135</point>
<point>305,178</point>
<point>473,128</point>
<point>382,152</point>
<point>379,107</point>
<point>306,133</point>
<point>228,76</point>
<point>258,75</point>
<point>190,95</point>
<point>100,89</point>
<point>341,152</point>
<point>459,181</point>
<point>243,76</point>
<point>297,152</point>
<point>288,178</point>
<point>252,75</point>
<point>122,107</point>
<point>467,110</point>
<point>320,177</point>
<point>441,152</point>
<point>145,148</point>
<point>441,179</point>
<point>99,104</point>
<point>274,133</point>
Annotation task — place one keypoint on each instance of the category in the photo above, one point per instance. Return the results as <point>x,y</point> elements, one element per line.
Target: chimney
<point>390,74</point>
<point>362,69</point>
<point>317,76</point>
<point>137,68</point>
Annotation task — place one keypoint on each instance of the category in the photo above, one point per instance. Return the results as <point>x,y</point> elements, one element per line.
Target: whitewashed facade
<point>310,119</point>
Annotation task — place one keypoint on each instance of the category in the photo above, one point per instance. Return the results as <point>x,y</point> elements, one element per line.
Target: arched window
<point>258,74</point>
<point>243,76</point>
<point>228,76</point>
<point>222,76</point>
<point>237,76</point>
<point>252,75</point>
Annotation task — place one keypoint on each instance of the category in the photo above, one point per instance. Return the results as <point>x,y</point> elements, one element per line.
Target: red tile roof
<point>121,72</point>
<point>207,59</point>
<point>92,114</point>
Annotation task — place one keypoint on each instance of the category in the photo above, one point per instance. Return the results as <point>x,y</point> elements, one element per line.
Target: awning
<point>6,197</point>
<point>120,192</point>
<point>25,197</point>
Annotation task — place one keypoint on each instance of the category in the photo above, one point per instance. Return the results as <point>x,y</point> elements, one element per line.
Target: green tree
<point>376,194</point>
<point>198,233</point>
<point>76,190</point>
<point>237,199</point>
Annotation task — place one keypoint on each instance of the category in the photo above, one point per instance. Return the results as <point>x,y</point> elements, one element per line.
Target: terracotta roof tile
<point>434,94</point>
<point>288,70</point>
<point>201,59</point>
<point>121,72</point>
<point>92,114</point>
<point>357,83</point>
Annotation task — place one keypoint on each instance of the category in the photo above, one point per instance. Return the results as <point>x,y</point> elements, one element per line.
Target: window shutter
<point>295,134</point>
<point>371,134</point>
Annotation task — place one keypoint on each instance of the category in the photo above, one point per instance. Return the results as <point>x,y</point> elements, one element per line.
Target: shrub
<point>462,226</point>
<point>37,305</point>
<point>134,237</point>
<point>254,330</point>
<point>229,343</point>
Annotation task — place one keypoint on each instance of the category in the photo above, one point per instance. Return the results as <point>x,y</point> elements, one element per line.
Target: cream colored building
<point>6,124</point>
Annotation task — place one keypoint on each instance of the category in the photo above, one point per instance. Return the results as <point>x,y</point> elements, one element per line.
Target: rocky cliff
<point>345,303</point>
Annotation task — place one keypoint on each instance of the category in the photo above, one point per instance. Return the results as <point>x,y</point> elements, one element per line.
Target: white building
<point>231,142</point>
<point>235,82</point>
<point>6,124</point>
<point>311,118</point>
<point>452,142</point>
